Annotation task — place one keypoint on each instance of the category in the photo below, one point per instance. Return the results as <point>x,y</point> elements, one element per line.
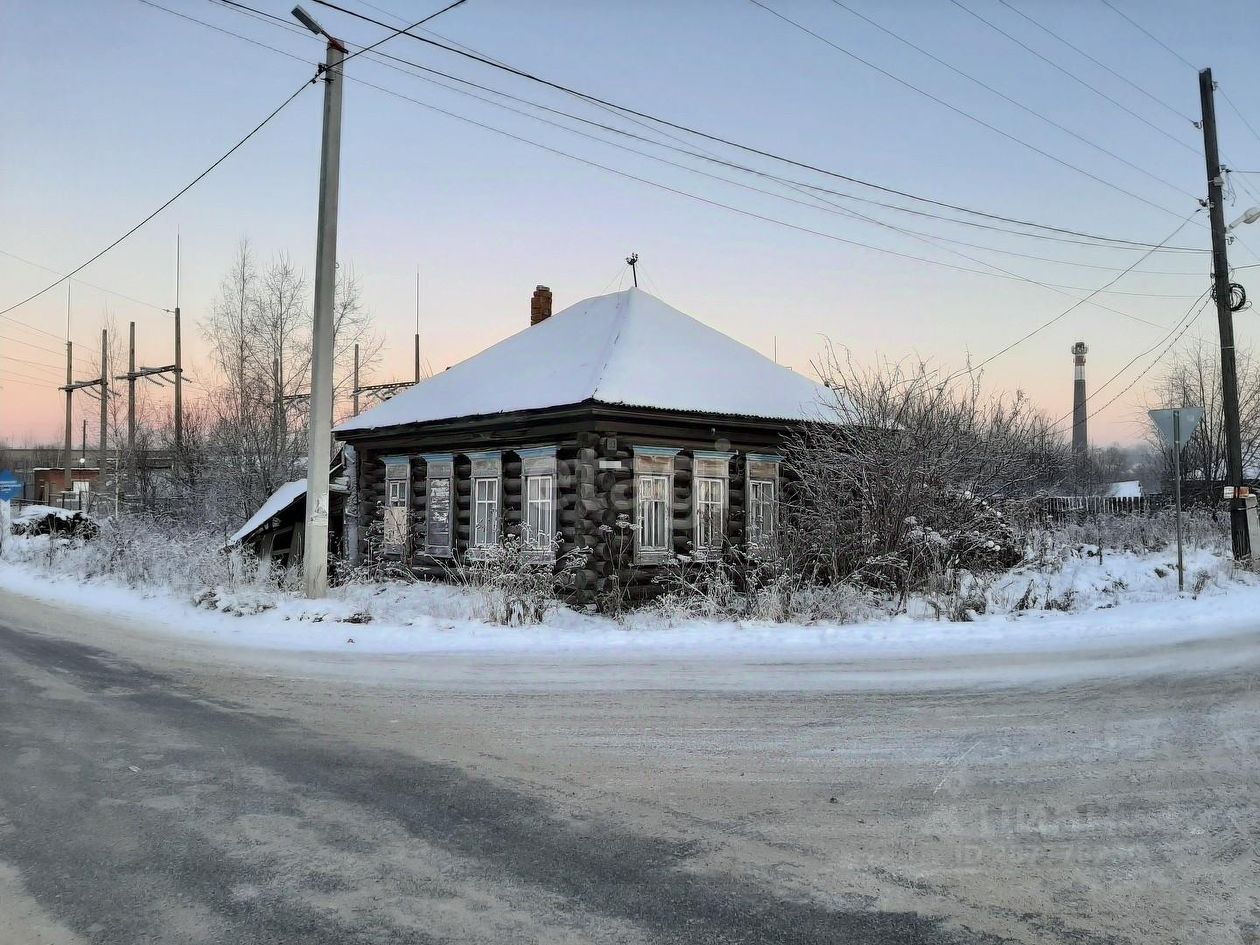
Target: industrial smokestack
<point>1080,432</point>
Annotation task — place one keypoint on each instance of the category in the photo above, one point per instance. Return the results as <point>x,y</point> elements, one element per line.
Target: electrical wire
<point>187,187</point>
<point>793,184</point>
<point>1199,303</point>
<point>961,111</point>
<point>379,42</point>
<point>996,271</point>
<point>971,369</point>
<point>734,144</point>
<point>99,288</point>
<point>1073,76</point>
<point>1018,104</point>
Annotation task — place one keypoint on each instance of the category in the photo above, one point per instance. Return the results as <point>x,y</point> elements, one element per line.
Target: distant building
<point>1130,489</point>
<point>1080,419</point>
<point>47,484</point>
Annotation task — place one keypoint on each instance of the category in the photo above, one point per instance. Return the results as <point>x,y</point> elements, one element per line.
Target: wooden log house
<point>620,425</point>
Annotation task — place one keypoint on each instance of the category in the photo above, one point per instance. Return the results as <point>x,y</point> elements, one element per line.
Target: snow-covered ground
<point>1128,598</point>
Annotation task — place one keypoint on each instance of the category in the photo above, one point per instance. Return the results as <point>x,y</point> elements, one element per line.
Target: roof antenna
<point>633,261</point>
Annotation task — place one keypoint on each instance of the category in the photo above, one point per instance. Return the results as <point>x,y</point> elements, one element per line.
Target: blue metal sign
<point>10,485</point>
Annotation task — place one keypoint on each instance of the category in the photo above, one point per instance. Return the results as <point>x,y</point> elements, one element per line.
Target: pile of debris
<point>48,519</point>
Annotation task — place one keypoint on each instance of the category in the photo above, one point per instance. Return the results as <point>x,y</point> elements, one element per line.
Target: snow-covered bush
<point>515,584</point>
<point>143,550</point>
<point>741,586</point>
<point>911,479</point>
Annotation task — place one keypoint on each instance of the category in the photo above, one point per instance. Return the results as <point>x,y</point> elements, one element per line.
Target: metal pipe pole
<point>131,392</point>
<point>100,475</point>
<point>1224,318</point>
<point>315,559</point>
<point>68,481</point>
<point>179,393</point>
<point>1181,559</point>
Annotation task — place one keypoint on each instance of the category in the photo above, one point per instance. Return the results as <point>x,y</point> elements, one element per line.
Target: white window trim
<point>702,549</point>
<point>762,468</point>
<point>653,462</point>
<point>486,531</point>
<point>538,464</point>
<point>710,466</point>
<point>762,528</point>
<point>539,538</point>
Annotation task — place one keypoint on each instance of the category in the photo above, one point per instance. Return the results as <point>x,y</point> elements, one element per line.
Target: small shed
<point>276,531</point>
<point>620,425</point>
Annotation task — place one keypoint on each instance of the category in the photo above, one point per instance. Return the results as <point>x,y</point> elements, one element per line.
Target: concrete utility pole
<point>179,368</point>
<point>1224,319</point>
<point>354,401</point>
<point>1080,419</point>
<point>315,557</point>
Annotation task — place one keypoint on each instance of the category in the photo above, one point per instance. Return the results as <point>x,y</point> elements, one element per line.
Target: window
<point>439,480</point>
<point>762,497</point>
<point>654,514</point>
<point>540,512</point>
<point>761,513</point>
<point>485,513</point>
<point>710,506</point>
<point>397,483</point>
<point>709,495</point>
<point>653,503</point>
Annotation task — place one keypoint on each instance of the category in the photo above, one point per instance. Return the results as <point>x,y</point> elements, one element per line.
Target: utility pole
<point>354,404</point>
<point>633,262</point>
<point>417,326</point>
<point>68,485</point>
<point>179,369</point>
<point>1225,319</point>
<point>131,392</point>
<point>315,546</point>
<point>100,476</point>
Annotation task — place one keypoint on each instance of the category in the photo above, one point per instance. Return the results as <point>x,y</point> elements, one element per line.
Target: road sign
<point>1191,417</point>
<point>10,486</point>
<point>1176,425</point>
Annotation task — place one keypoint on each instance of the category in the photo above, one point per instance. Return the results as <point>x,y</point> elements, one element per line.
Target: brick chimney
<point>540,305</point>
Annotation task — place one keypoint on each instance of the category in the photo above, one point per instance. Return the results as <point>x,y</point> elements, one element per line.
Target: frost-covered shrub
<point>145,550</point>
<point>1201,529</point>
<point>742,586</point>
<point>515,584</point>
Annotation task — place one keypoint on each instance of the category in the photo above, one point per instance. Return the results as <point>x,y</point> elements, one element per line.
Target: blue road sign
<point>10,485</point>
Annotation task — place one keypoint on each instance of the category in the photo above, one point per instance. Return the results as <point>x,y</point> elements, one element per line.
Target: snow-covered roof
<point>626,348</point>
<point>280,500</point>
<point>1130,489</point>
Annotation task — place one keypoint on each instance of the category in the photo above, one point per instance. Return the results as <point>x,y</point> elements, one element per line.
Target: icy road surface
<point>164,788</point>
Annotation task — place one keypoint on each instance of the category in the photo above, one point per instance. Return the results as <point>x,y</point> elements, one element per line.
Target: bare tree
<point>1193,379</point>
<point>910,474</point>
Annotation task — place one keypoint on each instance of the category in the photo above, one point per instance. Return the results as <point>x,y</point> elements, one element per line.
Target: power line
<point>1146,370</point>
<point>1074,77</point>
<point>1075,305</point>
<point>379,42</point>
<point>476,57</point>
<point>961,111</point>
<point>1015,102</point>
<point>793,184</point>
<point>164,205</point>
<point>996,270</point>
<point>1199,302</point>
<point>30,344</point>
<point>1098,62</point>
<point>99,288</point>
<point>1142,29</point>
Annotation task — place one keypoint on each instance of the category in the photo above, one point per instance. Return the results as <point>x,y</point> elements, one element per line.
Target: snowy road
<point>156,788</point>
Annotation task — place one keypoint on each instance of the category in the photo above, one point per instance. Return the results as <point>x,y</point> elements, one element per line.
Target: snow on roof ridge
<point>628,348</point>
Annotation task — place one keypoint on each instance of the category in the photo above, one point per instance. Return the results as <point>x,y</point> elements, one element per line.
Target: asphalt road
<point>156,790</point>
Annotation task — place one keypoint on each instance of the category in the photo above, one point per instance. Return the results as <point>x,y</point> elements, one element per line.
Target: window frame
<point>653,463</point>
<point>538,537</point>
<point>395,512</point>
<point>763,468</point>
<point>762,521</point>
<point>707,522</point>
<point>486,531</point>
<point>439,468</point>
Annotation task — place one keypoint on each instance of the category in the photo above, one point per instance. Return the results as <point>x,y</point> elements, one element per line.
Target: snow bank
<point>1127,599</point>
